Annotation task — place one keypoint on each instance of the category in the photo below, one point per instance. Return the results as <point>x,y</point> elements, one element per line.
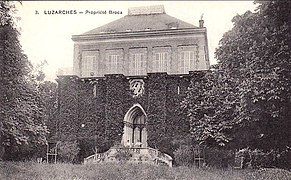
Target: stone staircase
<point>137,155</point>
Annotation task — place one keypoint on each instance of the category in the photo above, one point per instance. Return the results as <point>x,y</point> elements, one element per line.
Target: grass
<point>35,171</point>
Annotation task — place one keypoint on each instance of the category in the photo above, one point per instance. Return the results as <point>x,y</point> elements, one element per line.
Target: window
<point>88,64</point>
<point>114,64</point>
<point>186,62</point>
<point>138,64</point>
<point>161,62</point>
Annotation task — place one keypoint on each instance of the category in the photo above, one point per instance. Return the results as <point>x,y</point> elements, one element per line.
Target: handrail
<point>152,152</point>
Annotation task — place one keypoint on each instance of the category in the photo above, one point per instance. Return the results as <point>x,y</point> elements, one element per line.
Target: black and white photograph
<point>151,90</point>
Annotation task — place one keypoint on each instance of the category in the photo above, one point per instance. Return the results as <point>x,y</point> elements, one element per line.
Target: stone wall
<point>94,108</point>
<point>150,45</point>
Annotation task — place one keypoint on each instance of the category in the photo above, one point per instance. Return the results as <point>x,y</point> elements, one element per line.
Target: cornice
<point>138,34</point>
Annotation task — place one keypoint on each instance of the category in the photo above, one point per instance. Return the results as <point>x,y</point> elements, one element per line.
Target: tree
<point>48,93</point>
<point>246,100</point>
<point>211,108</point>
<point>21,107</point>
<point>256,51</point>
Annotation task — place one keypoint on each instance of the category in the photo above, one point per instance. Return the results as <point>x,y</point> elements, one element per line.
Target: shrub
<point>123,154</point>
<point>184,155</point>
<point>257,158</point>
<point>217,157</point>
<point>68,151</point>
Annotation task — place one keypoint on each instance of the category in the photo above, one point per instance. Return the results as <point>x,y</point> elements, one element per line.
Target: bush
<point>123,154</point>
<point>68,151</point>
<point>220,158</point>
<point>25,152</point>
<point>184,155</point>
<point>258,158</point>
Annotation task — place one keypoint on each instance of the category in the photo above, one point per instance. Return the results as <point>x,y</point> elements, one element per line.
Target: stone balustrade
<point>139,155</point>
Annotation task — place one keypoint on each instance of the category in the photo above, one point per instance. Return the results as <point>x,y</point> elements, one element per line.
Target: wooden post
<point>47,152</point>
<point>56,155</point>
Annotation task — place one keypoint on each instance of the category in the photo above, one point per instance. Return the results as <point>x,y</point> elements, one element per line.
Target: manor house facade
<point>133,72</point>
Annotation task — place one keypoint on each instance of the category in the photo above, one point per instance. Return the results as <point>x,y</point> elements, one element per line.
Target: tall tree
<point>48,92</point>
<point>246,100</point>
<point>256,51</point>
<point>21,106</point>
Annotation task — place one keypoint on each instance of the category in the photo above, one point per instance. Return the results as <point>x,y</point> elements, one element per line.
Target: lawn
<point>32,170</point>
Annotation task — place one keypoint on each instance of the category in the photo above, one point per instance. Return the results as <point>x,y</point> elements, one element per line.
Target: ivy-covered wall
<point>114,109</point>
<point>92,110</point>
<point>68,120</point>
<point>91,115</point>
<point>157,110</point>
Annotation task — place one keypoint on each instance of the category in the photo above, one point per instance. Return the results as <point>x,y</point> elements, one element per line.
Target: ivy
<point>156,124</point>
<point>100,104</point>
<point>69,123</point>
<point>115,91</point>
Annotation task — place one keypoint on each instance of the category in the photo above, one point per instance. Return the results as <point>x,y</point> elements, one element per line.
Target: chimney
<point>145,10</point>
<point>201,23</point>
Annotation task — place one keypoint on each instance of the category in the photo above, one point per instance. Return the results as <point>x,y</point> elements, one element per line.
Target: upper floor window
<point>88,64</point>
<point>138,64</point>
<point>161,62</point>
<point>114,64</point>
<point>186,61</point>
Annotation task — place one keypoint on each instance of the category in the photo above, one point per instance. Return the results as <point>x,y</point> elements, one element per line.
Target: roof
<point>142,21</point>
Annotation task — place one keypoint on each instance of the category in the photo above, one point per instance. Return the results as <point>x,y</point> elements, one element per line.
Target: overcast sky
<point>48,37</point>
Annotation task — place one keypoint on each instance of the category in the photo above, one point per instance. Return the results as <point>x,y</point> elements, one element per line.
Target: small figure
<point>39,160</point>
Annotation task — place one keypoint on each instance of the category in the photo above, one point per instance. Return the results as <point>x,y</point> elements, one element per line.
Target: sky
<point>48,36</point>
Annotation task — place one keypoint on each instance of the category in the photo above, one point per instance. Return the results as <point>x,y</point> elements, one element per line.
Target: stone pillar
<point>144,137</point>
<point>136,135</point>
<point>130,132</point>
<point>127,134</point>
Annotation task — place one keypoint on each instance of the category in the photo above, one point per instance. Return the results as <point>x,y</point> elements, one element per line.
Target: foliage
<point>91,114</point>
<point>68,122</point>
<point>177,126</point>
<point>156,125</point>
<point>245,100</point>
<point>48,92</point>
<point>166,120</point>
<point>255,54</point>
<point>7,11</point>
<point>123,154</point>
<point>68,151</point>
<point>82,114</point>
<point>114,108</point>
<point>21,107</point>
<point>100,104</point>
<point>257,158</point>
<point>25,152</point>
<point>184,155</point>
<point>219,157</point>
<point>209,108</point>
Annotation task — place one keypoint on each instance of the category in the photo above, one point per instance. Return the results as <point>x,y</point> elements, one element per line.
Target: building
<point>131,74</point>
